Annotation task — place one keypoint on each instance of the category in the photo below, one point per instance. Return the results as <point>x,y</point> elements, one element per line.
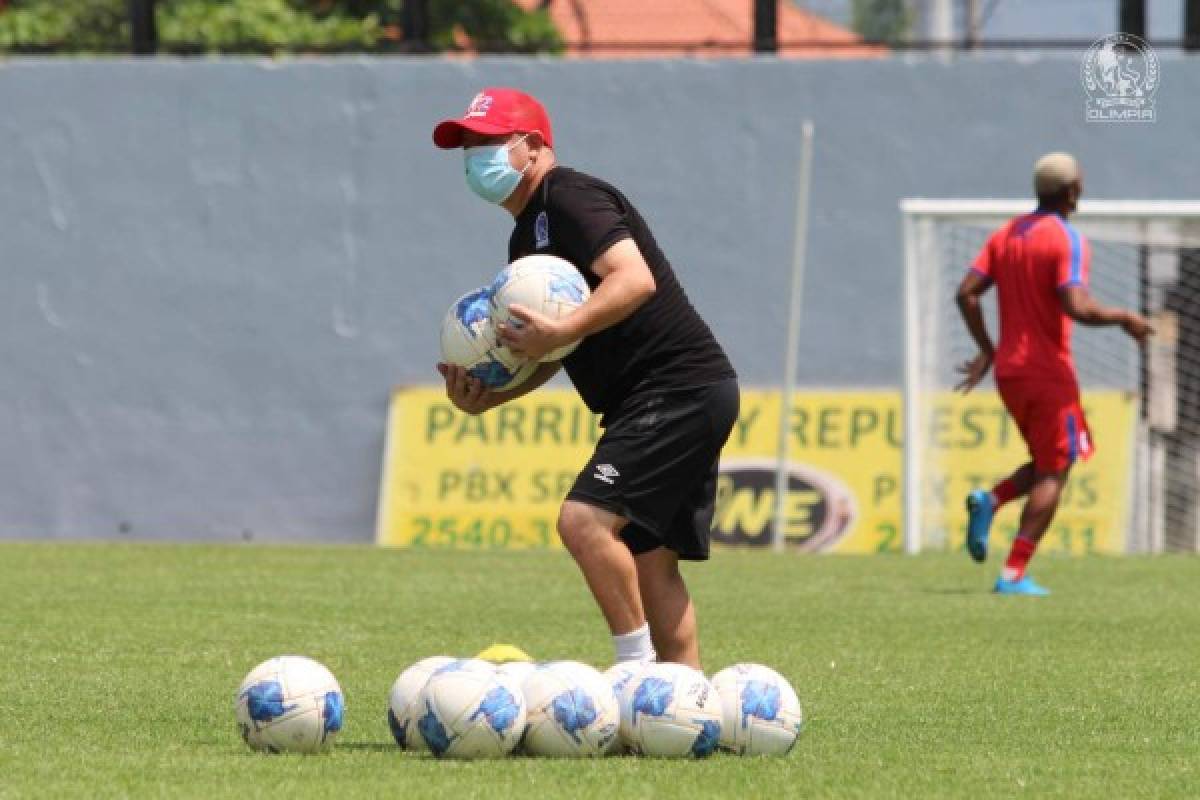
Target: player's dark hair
<point>1055,199</point>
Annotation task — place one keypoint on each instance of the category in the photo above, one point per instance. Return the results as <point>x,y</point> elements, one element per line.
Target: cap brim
<point>449,133</point>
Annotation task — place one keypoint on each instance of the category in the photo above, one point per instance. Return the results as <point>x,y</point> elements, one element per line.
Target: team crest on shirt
<point>541,231</point>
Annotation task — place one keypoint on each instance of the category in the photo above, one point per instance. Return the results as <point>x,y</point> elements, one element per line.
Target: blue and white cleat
<point>1025,586</point>
<point>979,523</point>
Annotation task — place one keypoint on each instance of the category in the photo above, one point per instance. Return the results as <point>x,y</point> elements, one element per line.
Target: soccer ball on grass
<point>670,710</point>
<point>404,701</point>
<point>471,712</point>
<point>289,704</point>
<point>762,715</point>
<point>571,711</point>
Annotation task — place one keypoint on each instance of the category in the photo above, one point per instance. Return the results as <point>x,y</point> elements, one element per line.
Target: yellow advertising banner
<point>496,480</point>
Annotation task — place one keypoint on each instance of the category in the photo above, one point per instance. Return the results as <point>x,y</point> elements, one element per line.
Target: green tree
<point>272,26</point>
<point>487,24</point>
<point>494,24</point>
<point>881,20</point>
<point>95,26</point>
<point>261,26</point>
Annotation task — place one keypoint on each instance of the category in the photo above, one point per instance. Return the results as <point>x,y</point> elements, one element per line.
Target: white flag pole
<point>792,348</point>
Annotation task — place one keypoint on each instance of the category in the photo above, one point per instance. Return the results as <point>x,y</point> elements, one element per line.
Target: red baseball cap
<point>494,111</point>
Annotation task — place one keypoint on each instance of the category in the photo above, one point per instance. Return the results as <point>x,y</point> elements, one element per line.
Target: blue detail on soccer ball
<point>574,711</point>
<point>706,741</point>
<point>491,374</point>
<point>335,708</point>
<point>759,699</point>
<point>434,733</point>
<point>399,730</point>
<point>473,309</point>
<point>652,697</point>
<point>561,288</point>
<point>622,682</point>
<point>264,701</point>
<point>500,709</point>
<point>498,283</point>
<point>453,666</point>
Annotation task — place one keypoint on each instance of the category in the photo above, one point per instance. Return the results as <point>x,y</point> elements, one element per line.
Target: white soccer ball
<point>546,284</point>
<point>289,704</point>
<point>620,674</point>
<point>571,711</point>
<point>762,714</point>
<point>468,665</point>
<point>517,671</point>
<point>404,701</point>
<point>564,664</point>
<point>471,713</point>
<point>469,341</point>
<point>670,710</point>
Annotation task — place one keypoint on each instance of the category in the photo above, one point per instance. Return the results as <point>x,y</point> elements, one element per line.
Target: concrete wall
<point>213,272</point>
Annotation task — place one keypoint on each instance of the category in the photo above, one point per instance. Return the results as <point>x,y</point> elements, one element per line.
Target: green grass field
<point>120,662</point>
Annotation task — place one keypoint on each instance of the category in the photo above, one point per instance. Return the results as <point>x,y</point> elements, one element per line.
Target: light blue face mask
<point>489,173</point>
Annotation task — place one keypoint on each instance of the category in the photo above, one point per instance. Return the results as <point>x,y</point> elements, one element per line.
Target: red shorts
<point>1050,418</point>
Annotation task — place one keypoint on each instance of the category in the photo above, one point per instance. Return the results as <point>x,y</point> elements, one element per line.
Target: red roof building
<point>705,28</point>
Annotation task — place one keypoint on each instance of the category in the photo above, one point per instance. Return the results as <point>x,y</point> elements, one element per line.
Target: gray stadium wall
<point>212,273</point>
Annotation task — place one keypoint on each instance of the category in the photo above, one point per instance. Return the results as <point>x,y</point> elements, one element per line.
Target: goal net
<point>1138,493</point>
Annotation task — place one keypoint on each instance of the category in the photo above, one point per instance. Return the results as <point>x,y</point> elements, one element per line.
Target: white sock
<point>634,646</point>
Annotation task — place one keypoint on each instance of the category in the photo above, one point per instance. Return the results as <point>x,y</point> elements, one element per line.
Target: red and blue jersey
<point>1031,259</point>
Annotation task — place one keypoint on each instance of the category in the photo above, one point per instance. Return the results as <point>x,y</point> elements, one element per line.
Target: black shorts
<point>656,466</point>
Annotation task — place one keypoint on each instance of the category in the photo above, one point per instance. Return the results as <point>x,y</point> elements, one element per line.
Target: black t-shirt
<point>664,344</point>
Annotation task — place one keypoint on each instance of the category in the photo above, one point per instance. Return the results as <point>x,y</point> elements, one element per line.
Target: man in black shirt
<point>647,363</point>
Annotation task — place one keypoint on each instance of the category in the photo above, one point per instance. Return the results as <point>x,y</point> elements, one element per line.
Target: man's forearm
<point>972,315</point>
<point>1096,315</point>
<point>617,296</point>
<point>541,375</point>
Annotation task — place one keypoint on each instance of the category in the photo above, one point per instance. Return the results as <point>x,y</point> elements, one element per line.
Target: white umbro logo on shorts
<point>606,473</point>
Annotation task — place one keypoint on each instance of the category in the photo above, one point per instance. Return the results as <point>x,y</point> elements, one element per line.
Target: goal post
<point>1140,492</point>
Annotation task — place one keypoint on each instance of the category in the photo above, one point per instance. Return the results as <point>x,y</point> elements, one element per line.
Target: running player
<point>1039,265</point>
<point>647,362</point>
